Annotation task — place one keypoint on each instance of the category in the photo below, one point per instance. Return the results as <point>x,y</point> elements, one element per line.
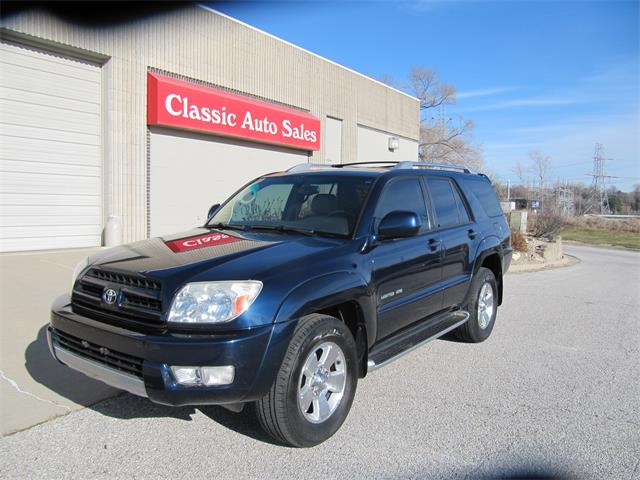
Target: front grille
<point>116,360</point>
<point>139,300</point>
<point>124,279</point>
<point>143,302</point>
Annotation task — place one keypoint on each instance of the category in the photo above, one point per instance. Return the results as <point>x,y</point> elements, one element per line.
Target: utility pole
<point>598,201</point>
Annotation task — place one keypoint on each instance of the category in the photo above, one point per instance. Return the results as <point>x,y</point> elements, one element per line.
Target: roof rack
<point>395,165</point>
<point>434,166</point>
<point>357,164</point>
<point>308,166</point>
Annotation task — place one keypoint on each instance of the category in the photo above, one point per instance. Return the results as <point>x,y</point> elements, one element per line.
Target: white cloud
<point>483,93</point>
<point>524,102</point>
<point>508,146</point>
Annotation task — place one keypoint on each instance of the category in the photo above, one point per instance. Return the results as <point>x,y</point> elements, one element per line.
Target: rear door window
<point>462,208</point>
<point>444,202</point>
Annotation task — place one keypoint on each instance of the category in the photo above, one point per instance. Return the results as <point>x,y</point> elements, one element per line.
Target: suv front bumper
<point>140,363</point>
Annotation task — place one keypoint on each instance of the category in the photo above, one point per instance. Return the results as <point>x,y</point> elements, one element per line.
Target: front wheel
<point>314,388</point>
<point>482,307</point>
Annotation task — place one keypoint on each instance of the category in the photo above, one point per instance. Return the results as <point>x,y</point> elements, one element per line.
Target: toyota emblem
<point>109,296</point>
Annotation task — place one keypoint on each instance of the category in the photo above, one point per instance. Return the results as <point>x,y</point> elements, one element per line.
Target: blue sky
<point>552,76</point>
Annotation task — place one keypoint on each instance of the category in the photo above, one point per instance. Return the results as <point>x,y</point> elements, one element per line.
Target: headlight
<point>78,270</point>
<point>213,302</point>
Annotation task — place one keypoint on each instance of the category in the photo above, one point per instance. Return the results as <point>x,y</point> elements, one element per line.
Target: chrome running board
<point>414,337</point>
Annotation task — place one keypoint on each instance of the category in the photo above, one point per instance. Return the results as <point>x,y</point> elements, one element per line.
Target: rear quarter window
<point>485,194</point>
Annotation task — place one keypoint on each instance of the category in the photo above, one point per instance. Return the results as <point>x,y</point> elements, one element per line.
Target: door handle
<point>434,243</point>
<point>472,233</point>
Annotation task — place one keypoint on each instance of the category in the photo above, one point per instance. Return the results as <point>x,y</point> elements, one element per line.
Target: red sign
<point>199,241</point>
<point>178,104</point>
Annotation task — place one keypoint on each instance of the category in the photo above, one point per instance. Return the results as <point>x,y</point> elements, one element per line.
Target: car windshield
<point>311,204</point>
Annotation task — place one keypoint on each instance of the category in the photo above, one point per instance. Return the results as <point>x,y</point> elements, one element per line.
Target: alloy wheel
<point>322,382</point>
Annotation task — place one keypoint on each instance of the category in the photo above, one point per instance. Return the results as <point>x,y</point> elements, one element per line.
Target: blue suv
<point>298,286</point>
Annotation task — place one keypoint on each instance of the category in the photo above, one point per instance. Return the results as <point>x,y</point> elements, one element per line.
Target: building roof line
<point>217,12</point>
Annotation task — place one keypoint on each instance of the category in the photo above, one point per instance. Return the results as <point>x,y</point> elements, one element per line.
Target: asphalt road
<point>555,390</point>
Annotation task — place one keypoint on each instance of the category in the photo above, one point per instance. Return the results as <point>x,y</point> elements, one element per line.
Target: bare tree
<point>441,140</point>
<point>389,80</point>
<point>541,167</point>
<point>520,171</point>
<point>449,143</point>
<point>426,85</point>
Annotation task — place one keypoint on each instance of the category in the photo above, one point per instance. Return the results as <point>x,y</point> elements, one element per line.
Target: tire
<point>480,324</point>
<point>280,412</point>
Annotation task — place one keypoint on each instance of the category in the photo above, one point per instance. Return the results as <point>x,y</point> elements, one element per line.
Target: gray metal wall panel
<point>200,44</point>
<point>373,145</point>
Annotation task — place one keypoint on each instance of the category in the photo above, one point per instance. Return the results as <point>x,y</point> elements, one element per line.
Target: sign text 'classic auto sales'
<point>179,104</point>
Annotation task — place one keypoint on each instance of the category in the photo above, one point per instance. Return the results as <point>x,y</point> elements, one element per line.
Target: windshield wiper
<point>228,226</point>
<point>284,229</point>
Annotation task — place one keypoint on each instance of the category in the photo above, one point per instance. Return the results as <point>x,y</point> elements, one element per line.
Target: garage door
<point>189,172</point>
<point>50,155</point>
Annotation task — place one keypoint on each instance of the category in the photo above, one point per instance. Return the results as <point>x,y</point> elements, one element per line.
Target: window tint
<point>323,189</point>
<point>484,193</point>
<point>444,202</point>
<point>462,209</point>
<point>328,204</point>
<point>265,204</point>
<point>404,194</point>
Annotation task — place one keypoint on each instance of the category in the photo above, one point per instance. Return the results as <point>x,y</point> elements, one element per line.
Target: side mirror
<point>212,211</point>
<point>399,224</point>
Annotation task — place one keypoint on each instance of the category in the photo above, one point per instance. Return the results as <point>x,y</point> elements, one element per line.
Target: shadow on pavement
<point>99,397</point>
<point>67,383</point>
<point>450,337</point>
<point>244,423</point>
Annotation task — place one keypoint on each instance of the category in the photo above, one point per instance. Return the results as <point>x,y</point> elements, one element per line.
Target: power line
<point>570,164</point>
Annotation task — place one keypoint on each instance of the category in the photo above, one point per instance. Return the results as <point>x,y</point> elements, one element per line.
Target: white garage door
<point>50,155</point>
<point>189,172</point>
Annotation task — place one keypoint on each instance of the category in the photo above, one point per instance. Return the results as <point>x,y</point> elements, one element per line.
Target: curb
<point>567,261</point>
<point>599,245</point>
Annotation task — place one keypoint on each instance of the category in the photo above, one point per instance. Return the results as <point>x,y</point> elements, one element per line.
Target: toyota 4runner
<point>296,287</point>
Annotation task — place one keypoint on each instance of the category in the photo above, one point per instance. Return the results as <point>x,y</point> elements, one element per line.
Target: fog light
<point>187,375</point>
<point>207,376</point>
<point>217,375</point>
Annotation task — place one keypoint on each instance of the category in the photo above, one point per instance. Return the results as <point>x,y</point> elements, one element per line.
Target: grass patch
<point>599,236</point>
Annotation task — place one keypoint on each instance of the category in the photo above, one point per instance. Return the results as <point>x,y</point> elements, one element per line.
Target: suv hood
<point>233,254</point>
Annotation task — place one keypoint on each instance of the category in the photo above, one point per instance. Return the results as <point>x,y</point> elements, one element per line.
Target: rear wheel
<point>314,389</point>
<point>482,307</point>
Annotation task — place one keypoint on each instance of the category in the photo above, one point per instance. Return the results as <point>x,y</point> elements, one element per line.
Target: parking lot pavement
<point>555,390</point>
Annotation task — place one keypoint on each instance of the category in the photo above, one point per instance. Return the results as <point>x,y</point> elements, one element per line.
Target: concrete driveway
<point>554,391</point>
<point>34,389</point>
